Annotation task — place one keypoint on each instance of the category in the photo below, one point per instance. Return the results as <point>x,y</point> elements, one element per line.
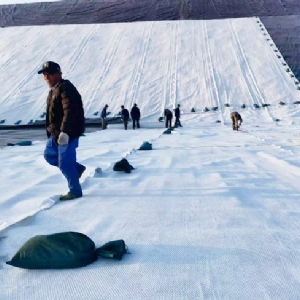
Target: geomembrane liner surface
<point>82,12</point>
<point>285,32</point>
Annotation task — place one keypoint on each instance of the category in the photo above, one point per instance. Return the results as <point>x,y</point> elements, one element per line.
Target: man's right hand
<point>50,129</point>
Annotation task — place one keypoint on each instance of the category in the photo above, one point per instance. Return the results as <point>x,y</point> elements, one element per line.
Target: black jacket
<point>125,114</point>
<point>177,112</point>
<point>104,113</point>
<point>135,113</point>
<point>64,111</point>
<point>168,114</point>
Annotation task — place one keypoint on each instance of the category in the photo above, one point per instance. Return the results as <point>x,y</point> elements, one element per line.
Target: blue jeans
<point>64,157</point>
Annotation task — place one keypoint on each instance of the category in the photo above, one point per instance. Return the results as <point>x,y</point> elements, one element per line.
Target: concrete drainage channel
<point>17,135</point>
<point>39,134</point>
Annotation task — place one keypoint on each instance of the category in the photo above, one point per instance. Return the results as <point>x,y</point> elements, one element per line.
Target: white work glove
<point>63,139</point>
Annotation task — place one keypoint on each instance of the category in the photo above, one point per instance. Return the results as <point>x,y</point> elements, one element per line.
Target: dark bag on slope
<point>63,250</point>
<point>113,249</point>
<point>146,146</point>
<point>123,165</point>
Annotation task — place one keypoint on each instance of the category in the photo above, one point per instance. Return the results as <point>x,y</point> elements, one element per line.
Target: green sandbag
<point>112,249</point>
<point>22,143</point>
<point>65,250</point>
<point>55,251</point>
<point>146,146</point>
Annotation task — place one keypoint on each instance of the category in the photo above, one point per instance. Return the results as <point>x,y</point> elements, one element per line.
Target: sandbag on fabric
<point>123,165</point>
<point>146,146</point>
<point>22,143</point>
<point>113,249</point>
<point>55,251</point>
<point>65,250</point>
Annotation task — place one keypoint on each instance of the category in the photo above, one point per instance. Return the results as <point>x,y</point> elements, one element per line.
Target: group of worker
<point>135,114</point>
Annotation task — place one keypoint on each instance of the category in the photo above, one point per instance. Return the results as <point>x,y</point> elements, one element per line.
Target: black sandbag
<point>63,250</point>
<point>123,165</point>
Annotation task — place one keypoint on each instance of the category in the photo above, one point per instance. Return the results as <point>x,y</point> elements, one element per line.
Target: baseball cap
<point>50,67</point>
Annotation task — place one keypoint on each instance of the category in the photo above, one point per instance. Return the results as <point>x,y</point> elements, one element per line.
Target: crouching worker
<point>65,124</point>
<point>168,116</point>
<point>236,118</point>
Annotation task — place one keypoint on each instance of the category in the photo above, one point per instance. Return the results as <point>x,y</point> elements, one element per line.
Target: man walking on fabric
<point>65,124</point>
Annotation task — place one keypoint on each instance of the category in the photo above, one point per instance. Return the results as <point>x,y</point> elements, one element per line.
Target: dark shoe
<point>69,196</point>
<point>81,172</point>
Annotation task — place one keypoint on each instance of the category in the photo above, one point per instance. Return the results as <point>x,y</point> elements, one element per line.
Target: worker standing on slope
<point>65,124</point>
<point>135,116</point>
<point>125,116</point>
<point>236,117</point>
<point>177,116</point>
<point>103,117</point>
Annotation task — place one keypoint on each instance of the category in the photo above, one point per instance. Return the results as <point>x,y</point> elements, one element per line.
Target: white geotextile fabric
<point>207,214</point>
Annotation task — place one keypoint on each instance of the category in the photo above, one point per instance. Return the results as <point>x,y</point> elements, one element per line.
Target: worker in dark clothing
<point>103,117</point>
<point>125,116</point>
<point>236,117</point>
<point>65,124</point>
<point>177,116</point>
<point>168,116</point>
<point>135,116</point>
